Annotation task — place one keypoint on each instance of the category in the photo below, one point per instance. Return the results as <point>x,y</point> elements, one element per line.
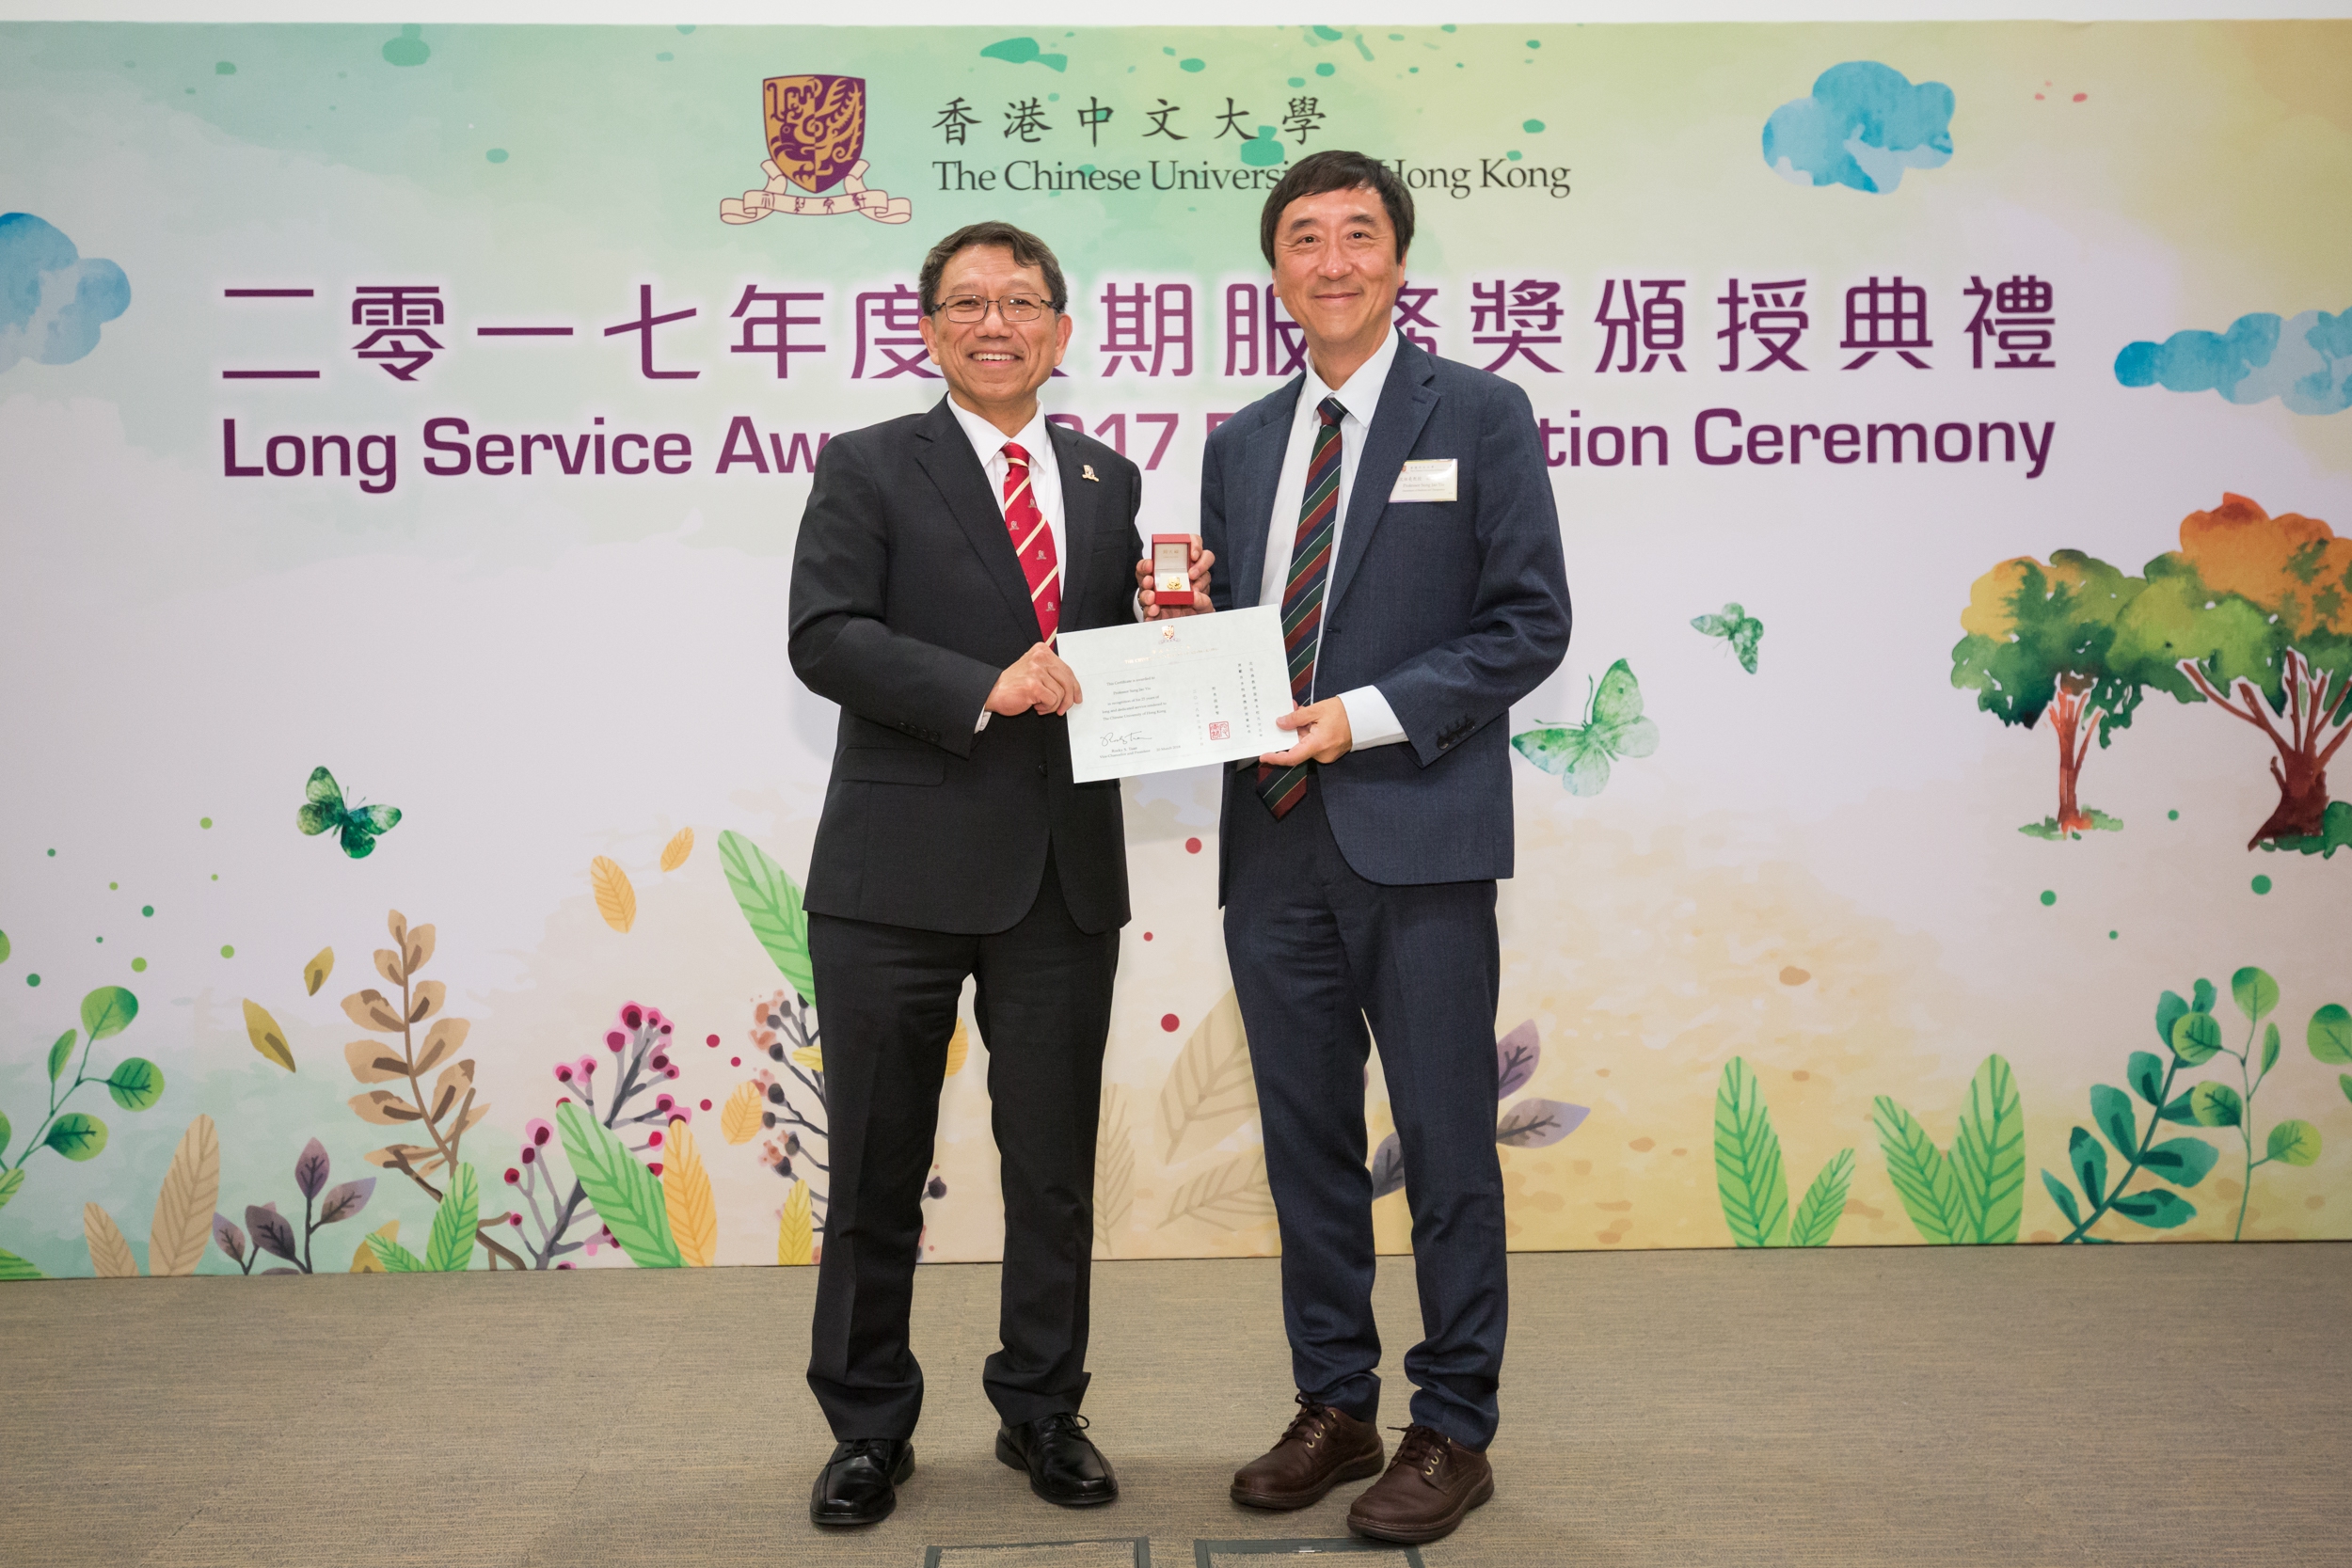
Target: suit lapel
<point>1405,402</point>
<point>946,455</point>
<point>1081,504</point>
<point>1250,524</point>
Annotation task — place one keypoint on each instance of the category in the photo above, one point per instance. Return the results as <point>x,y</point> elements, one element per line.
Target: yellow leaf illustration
<point>674,852</point>
<point>1210,1090</point>
<point>686,1194</point>
<point>794,1242</point>
<point>739,1119</point>
<point>267,1038</point>
<point>958,1046</point>
<point>375,1061</point>
<point>811,1058</point>
<point>370,1009</point>
<point>314,974</point>
<point>110,1254</point>
<point>441,1040</point>
<point>1229,1197</point>
<point>416,947</point>
<point>1114,1172</point>
<point>363,1261</point>
<point>388,965</point>
<point>183,1209</point>
<point>615,899</point>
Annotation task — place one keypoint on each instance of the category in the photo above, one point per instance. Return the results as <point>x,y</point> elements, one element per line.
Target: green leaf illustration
<point>1824,1203</point>
<point>4,947</point>
<point>627,1195</point>
<point>2202,997</point>
<point>395,1258</point>
<point>1987,1156</point>
<point>2330,1035</point>
<point>1923,1179</point>
<point>2183,1162</point>
<point>136,1083</point>
<point>2090,1159</point>
<point>1748,1174</point>
<point>770,902</point>
<point>61,1053</point>
<point>2295,1143</point>
<point>5,1133</point>
<point>2112,1109</point>
<point>450,1248</point>
<point>10,1183</point>
<point>2147,1076</point>
<point>2343,1081</point>
<point>13,1267</point>
<point>76,1136</point>
<point>2177,1110</point>
<point>2196,1039</point>
<point>108,1010</point>
<point>2169,1009</point>
<point>2064,1199</point>
<point>2255,992</point>
<point>2159,1209</point>
<point>2270,1046</point>
<point>2216,1105</point>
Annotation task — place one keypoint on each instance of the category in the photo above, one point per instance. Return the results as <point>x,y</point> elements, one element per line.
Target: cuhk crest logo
<point>816,130</point>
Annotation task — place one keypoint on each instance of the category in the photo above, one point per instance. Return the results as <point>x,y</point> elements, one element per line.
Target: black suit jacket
<point>907,604</point>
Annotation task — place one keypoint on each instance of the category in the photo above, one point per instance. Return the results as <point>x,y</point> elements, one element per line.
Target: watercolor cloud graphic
<point>52,298</point>
<point>1864,124</point>
<point>2305,361</point>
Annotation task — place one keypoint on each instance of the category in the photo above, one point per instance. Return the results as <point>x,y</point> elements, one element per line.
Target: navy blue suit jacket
<point>1454,609</point>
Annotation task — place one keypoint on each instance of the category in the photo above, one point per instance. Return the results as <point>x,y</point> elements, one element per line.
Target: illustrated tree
<point>2253,615</point>
<point>2041,640</point>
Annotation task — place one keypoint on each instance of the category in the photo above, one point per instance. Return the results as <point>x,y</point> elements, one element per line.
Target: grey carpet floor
<point>2129,1405</point>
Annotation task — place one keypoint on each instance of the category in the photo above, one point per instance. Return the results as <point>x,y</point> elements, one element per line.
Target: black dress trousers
<point>1043,1002</point>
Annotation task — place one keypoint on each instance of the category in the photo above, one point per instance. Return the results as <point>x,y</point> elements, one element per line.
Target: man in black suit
<point>1397,506</point>
<point>939,555</point>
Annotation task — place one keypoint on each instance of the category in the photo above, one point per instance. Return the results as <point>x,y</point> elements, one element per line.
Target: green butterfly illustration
<point>1612,728</point>
<point>323,808</point>
<point>1737,628</point>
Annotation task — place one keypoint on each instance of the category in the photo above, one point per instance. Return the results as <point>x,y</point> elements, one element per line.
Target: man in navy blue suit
<point>1398,507</point>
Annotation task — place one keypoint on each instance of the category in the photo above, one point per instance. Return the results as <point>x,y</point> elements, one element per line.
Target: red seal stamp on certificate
<point>1171,569</point>
<point>1221,729</point>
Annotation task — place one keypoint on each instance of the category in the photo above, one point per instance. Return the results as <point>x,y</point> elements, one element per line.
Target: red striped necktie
<point>1281,789</point>
<point>1033,542</point>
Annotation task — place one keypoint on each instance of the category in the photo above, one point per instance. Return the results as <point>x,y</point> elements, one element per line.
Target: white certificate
<point>1162,694</point>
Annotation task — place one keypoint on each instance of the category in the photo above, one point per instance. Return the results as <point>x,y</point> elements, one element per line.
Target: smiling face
<point>992,366</point>
<point>1337,272</point>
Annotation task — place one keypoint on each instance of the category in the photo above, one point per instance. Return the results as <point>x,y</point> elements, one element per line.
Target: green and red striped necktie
<point>1281,789</point>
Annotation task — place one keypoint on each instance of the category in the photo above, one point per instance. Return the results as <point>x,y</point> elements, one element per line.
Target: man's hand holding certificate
<point>1177,692</point>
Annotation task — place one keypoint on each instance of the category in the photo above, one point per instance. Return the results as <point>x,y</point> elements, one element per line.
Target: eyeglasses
<point>969,309</point>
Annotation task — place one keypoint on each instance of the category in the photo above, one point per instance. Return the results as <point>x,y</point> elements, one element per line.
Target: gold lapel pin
<point>1086,471</point>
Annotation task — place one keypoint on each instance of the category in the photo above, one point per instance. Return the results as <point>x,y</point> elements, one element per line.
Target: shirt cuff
<point>983,723</point>
<point>1371,721</point>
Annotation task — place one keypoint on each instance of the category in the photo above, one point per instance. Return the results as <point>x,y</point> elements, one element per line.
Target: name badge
<point>1430,479</point>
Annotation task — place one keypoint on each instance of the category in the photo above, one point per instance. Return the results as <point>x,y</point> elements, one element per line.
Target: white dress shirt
<point>1371,720</point>
<point>988,444</point>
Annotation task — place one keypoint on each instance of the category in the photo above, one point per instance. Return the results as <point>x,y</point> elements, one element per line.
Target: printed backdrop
<point>404,429</point>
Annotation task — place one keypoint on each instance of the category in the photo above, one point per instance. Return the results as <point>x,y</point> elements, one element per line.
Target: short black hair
<point>1335,169</point>
<point>1027,251</point>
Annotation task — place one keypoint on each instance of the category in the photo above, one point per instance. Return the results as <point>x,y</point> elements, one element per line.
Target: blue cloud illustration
<point>1863,125</point>
<point>2305,361</point>
<point>52,298</point>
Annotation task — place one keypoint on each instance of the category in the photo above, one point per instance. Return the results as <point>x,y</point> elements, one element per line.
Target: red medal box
<point>1171,569</point>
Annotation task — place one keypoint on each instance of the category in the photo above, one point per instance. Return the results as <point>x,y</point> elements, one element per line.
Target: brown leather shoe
<point>1322,1448</point>
<point>1431,1483</point>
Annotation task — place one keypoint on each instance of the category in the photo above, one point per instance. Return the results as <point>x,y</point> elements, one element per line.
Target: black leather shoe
<point>859,1483</point>
<point>1064,1464</point>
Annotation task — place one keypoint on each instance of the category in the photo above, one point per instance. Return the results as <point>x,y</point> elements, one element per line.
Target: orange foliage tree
<point>2253,615</point>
